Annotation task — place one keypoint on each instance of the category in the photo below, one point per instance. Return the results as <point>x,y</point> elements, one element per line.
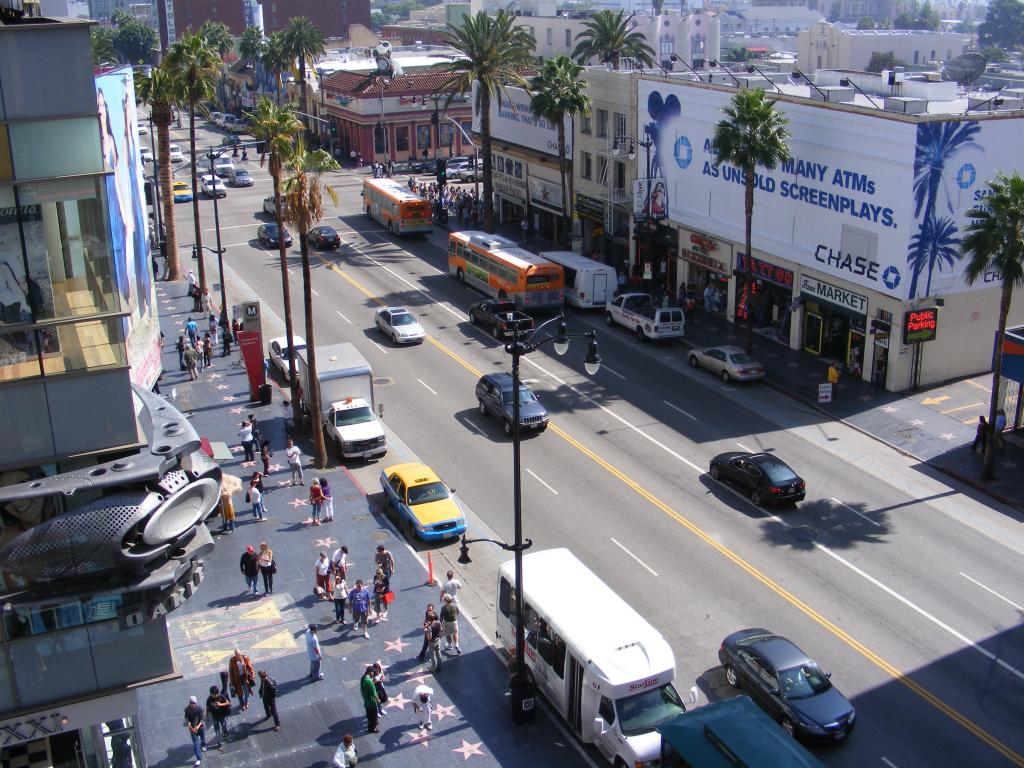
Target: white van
<point>601,665</point>
<point>588,283</point>
<point>228,123</point>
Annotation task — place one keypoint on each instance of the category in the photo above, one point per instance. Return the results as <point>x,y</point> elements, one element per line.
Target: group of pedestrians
<point>458,202</point>
<point>254,565</point>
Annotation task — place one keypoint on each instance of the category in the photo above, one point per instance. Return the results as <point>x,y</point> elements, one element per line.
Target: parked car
<point>324,238</point>
<point>427,508</point>
<point>787,684</point>
<point>223,166</point>
<point>494,398</point>
<point>279,352</point>
<point>731,363</point>
<point>268,206</point>
<point>267,235</point>
<point>454,165</point>
<point>175,154</point>
<point>212,186</point>
<point>399,324</point>
<point>470,173</point>
<point>216,118</point>
<point>241,178</point>
<point>146,154</point>
<point>766,478</point>
<point>500,315</point>
<point>182,192</point>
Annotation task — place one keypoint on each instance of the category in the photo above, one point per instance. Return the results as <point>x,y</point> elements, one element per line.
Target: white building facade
<point>827,46</point>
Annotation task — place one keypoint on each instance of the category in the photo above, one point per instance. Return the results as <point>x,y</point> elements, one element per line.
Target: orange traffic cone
<point>430,571</point>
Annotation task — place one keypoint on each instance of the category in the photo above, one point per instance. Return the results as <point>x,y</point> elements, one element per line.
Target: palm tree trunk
<point>988,466</point>
<point>748,210</point>
<point>282,250</point>
<point>277,88</point>
<point>163,140</point>
<point>302,89</point>
<point>316,425</point>
<point>561,170</point>
<point>485,148</point>
<point>195,196</point>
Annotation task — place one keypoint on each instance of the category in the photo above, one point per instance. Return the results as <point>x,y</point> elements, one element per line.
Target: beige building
<point>826,46</point>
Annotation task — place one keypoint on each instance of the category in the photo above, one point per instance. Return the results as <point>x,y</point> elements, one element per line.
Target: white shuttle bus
<point>596,660</point>
<point>588,283</point>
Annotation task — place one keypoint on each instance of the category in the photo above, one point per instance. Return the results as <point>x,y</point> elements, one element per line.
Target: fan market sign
<point>833,294</point>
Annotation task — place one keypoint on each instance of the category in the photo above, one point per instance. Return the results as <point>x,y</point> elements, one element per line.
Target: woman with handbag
<point>267,568</point>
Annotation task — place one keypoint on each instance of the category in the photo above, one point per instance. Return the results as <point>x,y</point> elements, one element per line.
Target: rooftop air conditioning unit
<point>906,104</point>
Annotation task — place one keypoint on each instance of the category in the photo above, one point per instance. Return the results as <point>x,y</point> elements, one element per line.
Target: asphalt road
<point>884,575</point>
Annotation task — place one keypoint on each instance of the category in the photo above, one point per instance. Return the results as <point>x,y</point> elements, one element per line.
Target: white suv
<point>223,166</point>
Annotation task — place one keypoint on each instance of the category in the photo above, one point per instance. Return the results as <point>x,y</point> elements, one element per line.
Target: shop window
<point>447,139</point>
<point>602,170</point>
<point>84,345</point>
<point>402,138</point>
<point>423,140</point>
<point>519,170</point>
<point>379,137</point>
<point>558,655</point>
<point>620,175</point>
<point>620,124</point>
<point>587,165</point>
<point>545,642</point>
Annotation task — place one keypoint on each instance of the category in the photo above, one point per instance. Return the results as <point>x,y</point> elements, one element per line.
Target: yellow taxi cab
<point>426,506</point>
<point>182,192</point>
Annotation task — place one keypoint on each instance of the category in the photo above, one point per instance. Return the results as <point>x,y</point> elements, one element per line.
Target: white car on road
<point>223,166</point>
<point>146,154</point>
<point>279,352</point>
<point>212,186</point>
<point>175,154</point>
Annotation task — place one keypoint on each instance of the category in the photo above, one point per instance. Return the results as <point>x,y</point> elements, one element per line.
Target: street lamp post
<point>220,251</point>
<point>476,156</point>
<point>631,153</point>
<point>521,683</point>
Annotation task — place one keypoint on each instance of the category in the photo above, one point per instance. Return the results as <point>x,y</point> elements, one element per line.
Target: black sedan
<point>766,478</point>
<point>323,238</point>
<point>267,235</point>
<point>786,684</point>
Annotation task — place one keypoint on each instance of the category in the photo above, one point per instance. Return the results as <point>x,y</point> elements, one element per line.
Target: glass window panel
<point>55,147</point>
<point>19,355</point>
<point>112,645</point>
<point>84,345</point>
<point>402,138</point>
<point>54,666</point>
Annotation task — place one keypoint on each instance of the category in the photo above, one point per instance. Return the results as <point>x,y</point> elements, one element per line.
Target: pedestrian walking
<point>257,477</point>
<point>267,568</point>
<point>180,346</point>
<point>249,566</point>
<point>833,378</point>
<point>268,695</point>
<point>451,587</point>
<point>450,624</point>
<point>200,360</point>
<point>346,756</point>
<point>981,435</point>
<point>359,604</point>
<point>339,592</point>
<point>193,283</point>
<point>209,308</point>
<point>325,488</point>
<point>378,683</point>
<point>423,705</point>
<point>316,501</point>
<point>322,573</point>
<point>385,561</point>
<point>227,511</point>
<point>212,326</point>
<point>245,436</point>
<point>156,268</point>
<point>242,677</point>
<point>225,338</point>
<point>191,330</point>
<point>1000,426</point>
<point>314,654</point>
<point>370,701</point>
<point>294,456</point>
<point>207,351</point>
<point>255,497</point>
<point>218,707</point>
<point>191,361</point>
<point>432,630</point>
<point>196,728</point>
<point>265,456</point>
<point>428,617</point>
<point>381,590</point>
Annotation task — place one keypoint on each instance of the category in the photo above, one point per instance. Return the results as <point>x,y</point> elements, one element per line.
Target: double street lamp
<point>521,684</point>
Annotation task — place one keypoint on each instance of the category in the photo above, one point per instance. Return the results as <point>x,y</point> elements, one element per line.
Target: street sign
<point>825,393</point>
<point>920,325</point>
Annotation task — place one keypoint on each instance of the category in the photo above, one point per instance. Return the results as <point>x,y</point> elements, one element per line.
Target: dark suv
<point>494,396</point>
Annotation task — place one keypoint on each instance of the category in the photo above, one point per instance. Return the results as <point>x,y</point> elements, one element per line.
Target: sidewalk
<point>472,721</point>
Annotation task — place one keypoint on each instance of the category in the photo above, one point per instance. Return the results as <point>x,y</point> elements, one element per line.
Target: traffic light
<point>334,129</point>
<point>442,172</point>
<point>433,117</point>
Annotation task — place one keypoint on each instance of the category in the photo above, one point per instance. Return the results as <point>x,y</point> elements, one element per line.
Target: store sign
<point>546,194</point>
<point>833,294</point>
<point>510,188</point>
<point>702,243</point>
<point>512,120</point>
<point>764,270</point>
<point>920,325</point>
<point>589,208</point>
<point>705,261</point>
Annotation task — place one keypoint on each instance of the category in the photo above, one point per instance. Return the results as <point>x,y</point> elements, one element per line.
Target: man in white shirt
<point>294,456</point>
<point>314,653</point>
<point>245,435</point>
<point>451,587</point>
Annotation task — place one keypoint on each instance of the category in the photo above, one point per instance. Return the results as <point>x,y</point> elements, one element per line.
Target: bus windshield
<point>642,712</point>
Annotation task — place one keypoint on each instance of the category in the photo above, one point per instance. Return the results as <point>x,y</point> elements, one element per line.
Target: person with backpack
<point>218,706</point>
<point>268,695</point>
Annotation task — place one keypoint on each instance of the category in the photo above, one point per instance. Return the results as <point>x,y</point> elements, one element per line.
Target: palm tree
<point>277,127</point>
<point>558,92</point>
<point>995,244</point>
<point>303,41</point>
<point>275,59</point>
<point>609,37</point>
<point>935,242</point>
<point>252,44</point>
<point>102,43</point>
<point>218,36</point>
<point>495,50</point>
<point>752,134</point>
<point>197,64</point>
<point>162,90</point>
<point>304,207</point>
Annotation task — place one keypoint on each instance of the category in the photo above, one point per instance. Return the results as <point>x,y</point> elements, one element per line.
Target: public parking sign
<point>920,325</point>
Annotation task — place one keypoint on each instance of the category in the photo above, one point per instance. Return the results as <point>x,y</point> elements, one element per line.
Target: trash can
<point>266,394</point>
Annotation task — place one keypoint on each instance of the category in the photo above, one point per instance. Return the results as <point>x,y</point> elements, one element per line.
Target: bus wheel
<point>460,275</point>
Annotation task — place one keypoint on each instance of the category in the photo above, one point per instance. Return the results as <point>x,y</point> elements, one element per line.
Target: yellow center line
<point>737,560</point>
<point>961,408</point>
<point>976,384</point>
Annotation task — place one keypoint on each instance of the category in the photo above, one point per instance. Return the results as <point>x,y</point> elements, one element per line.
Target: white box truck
<point>349,418</point>
<point>601,665</point>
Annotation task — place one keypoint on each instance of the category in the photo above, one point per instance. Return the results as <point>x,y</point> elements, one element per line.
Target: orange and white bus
<point>398,208</point>
<point>500,268</point>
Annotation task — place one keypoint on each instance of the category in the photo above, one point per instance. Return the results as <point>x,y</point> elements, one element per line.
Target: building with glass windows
<point>103,486</point>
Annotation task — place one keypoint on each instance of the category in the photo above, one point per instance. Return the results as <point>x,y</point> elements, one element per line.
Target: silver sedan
<point>399,325</point>
<point>731,363</point>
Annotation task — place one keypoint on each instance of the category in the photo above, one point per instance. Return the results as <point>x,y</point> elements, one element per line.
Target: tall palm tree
<point>495,50</point>
<point>278,127</point>
<point>752,134</point>
<point>557,93</point>
<point>935,243</point>
<point>252,44</point>
<point>304,207</point>
<point>275,59</point>
<point>609,37</point>
<point>217,35</point>
<point>303,41</point>
<point>161,90</point>
<point>197,64</point>
<point>994,243</point>
<point>101,41</point>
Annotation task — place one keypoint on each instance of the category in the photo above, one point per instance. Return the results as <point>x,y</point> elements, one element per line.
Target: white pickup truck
<point>637,312</point>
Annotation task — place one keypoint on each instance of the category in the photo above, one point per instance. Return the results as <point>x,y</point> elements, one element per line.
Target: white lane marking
<point>741,445</point>
<point>313,291</point>
<point>535,477</point>
<point>858,514</point>
<point>343,317</point>
<point>233,226</point>
<point>992,591</point>
<point>645,565</point>
<point>676,408</point>
<point>378,346</point>
<point>291,271</point>
<point>472,425</point>
<point>613,373</point>
<point>888,762</point>
<point>421,382</point>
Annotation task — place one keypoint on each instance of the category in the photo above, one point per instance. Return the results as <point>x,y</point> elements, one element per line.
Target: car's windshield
<point>402,318</point>
<point>327,232</point>
<point>241,174</point>
<point>777,472</point>
<point>353,416</point>
<point>803,681</point>
<point>742,357</point>
<point>525,396</point>
<point>423,494</point>
<point>642,712</point>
